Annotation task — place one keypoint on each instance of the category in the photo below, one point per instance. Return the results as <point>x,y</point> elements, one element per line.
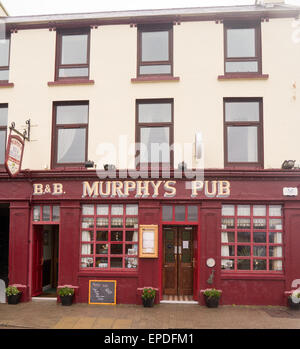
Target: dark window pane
<point>101,248</point>
<point>155,112</point>
<point>259,236</point>
<point>242,143</point>
<point>101,262</point>
<point>167,212</point>
<point>36,213</point>
<point>259,264</point>
<point>155,46</point>
<point>179,213</point>
<point>116,248</point>
<point>192,213</point>
<point>71,145</point>
<point>243,264</point>
<point>241,42</point>
<point>242,111</point>
<point>116,262</point>
<point>72,114</point>
<point>259,251</point>
<point>243,250</point>
<point>228,236</point>
<point>74,49</point>
<point>4,52</point>
<point>116,236</point>
<point>102,235</point>
<point>275,238</point>
<point>46,213</point>
<point>131,236</point>
<point>155,144</point>
<point>243,236</point>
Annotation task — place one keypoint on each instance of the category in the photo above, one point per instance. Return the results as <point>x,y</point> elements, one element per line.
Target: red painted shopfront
<point>234,231</point>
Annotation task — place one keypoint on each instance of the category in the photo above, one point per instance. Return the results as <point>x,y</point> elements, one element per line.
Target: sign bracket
<point>26,132</point>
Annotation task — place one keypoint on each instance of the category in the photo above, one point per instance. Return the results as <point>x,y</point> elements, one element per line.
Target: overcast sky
<point>32,7</point>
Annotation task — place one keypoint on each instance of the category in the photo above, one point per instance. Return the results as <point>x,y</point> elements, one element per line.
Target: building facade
<point>153,153</point>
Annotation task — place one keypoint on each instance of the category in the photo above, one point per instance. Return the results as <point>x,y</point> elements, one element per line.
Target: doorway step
<point>186,299</point>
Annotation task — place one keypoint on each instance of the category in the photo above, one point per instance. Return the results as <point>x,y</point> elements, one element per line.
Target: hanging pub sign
<point>14,155</point>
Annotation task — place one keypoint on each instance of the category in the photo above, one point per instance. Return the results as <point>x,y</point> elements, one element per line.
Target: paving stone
<point>103,323</point>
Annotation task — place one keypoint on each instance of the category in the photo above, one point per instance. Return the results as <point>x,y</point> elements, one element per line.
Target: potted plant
<point>212,297</point>
<point>294,300</point>
<point>148,296</point>
<point>13,294</point>
<point>66,295</point>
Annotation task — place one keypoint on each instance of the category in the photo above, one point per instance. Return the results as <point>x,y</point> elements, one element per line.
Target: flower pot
<point>293,305</point>
<point>14,299</point>
<point>148,302</point>
<point>66,300</point>
<point>211,302</point>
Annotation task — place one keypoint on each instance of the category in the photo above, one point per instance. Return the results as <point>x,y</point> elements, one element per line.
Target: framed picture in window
<point>148,241</point>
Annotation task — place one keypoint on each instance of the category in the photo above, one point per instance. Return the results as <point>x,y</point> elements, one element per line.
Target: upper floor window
<point>243,132</point>
<point>70,133</point>
<point>242,48</point>
<point>3,131</point>
<point>4,58</point>
<point>154,135</point>
<point>73,54</point>
<point>155,50</point>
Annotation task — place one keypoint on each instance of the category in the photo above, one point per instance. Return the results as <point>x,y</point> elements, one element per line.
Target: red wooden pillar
<point>19,246</point>
<point>292,246</point>
<point>69,239</point>
<point>149,268</point>
<point>210,245</point>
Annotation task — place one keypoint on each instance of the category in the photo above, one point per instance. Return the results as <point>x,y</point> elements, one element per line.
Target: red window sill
<point>252,276</point>
<point>7,84</point>
<point>110,273</point>
<point>243,76</point>
<point>154,78</point>
<point>71,82</point>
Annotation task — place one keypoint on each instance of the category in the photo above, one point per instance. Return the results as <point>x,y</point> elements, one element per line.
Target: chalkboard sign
<point>102,291</point>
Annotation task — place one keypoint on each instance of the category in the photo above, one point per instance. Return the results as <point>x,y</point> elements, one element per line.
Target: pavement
<point>49,314</point>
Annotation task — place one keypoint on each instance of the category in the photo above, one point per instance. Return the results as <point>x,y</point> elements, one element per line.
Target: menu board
<point>148,237</point>
<point>102,291</point>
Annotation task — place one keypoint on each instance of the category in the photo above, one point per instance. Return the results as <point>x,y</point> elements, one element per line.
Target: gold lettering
<point>128,186</point>
<point>223,188</point>
<point>142,186</point>
<point>38,189</point>
<point>108,188</point>
<point>155,186</point>
<point>196,185</point>
<point>214,189</point>
<point>90,191</point>
<point>117,187</point>
<point>168,187</point>
<point>57,189</point>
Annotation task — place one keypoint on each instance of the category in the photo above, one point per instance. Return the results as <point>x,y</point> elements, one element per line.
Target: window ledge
<point>124,274</point>
<point>7,84</point>
<point>71,82</point>
<point>155,78</point>
<point>244,76</point>
<point>252,276</point>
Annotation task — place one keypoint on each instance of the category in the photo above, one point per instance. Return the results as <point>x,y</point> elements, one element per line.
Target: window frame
<point>58,65</point>
<point>55,128</point>
<point>259,124</point>
<point>154,28</point>
<point>109,242</point>
<point>267,244</point>
<point>258,47</point>
<point>7,37</point>
<point>139,125</point>
<point>4,129</point>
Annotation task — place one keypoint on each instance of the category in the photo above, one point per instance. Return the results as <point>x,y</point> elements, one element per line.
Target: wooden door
<point>178,260</point>
<point>37,261</point>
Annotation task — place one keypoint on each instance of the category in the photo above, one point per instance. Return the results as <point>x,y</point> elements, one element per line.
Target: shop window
<point>251,238</point>
<point>243,136</point>
<point>180,213</point>
<point>70,134</point>
<point>3,131</point>
<point>109,237</point>
<point>155,50</point>
<point>45,213</point>
<point>4,58</point>
<point>154,135</point>
<point>242,48</point>
<point>73,54</point>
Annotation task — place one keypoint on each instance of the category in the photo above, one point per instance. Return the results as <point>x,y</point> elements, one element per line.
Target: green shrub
<point>66,291</point>
<point>148,292</point>
<point>12,291</point>
<point>212,293</point>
